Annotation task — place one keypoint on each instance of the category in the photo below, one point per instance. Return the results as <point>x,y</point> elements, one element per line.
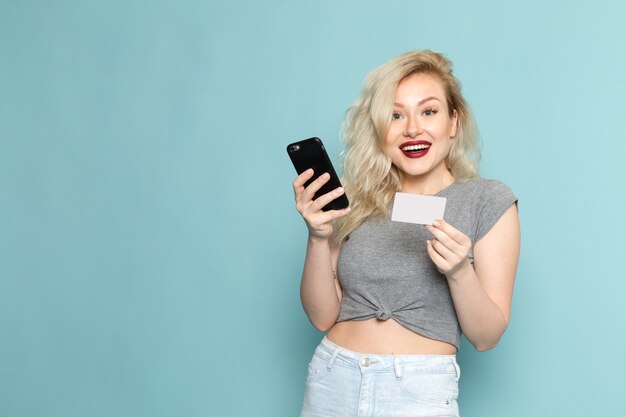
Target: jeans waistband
<point>334,355</point>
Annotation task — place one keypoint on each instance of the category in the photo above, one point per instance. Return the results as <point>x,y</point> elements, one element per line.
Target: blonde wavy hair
<point>370,179</point>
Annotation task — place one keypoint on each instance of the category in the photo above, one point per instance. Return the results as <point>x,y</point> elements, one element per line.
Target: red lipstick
<point>415,148</point>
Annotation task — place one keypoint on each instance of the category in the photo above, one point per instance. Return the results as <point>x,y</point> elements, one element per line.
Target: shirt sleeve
<point>496,198</point>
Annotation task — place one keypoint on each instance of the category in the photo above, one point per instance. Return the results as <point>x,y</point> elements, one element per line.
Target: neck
<point>428,184</point>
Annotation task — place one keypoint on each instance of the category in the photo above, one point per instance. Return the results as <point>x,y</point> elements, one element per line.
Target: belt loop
<point>331,362</point>
<point>396,365</point>
<point>457,369</point>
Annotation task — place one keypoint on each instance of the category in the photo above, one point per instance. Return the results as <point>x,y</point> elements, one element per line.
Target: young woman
<point>395,297</point>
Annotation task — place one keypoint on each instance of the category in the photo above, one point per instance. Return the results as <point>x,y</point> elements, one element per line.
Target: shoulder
<point>483,186</point>
<point>480,202</point>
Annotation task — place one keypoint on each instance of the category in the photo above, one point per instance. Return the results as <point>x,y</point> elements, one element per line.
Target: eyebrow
<point>420,102</point>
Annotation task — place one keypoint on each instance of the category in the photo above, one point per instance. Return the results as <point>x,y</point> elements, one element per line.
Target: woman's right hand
<point>317,220</point>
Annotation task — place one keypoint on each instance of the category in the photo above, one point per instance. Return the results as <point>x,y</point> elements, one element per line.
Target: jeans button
<point>365,361</point>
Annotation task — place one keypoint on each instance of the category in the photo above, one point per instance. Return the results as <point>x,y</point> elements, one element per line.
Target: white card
<point>420,209</point>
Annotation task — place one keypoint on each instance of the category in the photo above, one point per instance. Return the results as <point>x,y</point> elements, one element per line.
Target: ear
<point>454,123</point>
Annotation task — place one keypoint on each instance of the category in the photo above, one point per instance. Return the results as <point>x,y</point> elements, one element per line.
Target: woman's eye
<point>395,116</point>
<point>429,112</point>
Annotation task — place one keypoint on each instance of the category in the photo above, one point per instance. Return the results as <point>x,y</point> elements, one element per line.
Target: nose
<point>412,128</point>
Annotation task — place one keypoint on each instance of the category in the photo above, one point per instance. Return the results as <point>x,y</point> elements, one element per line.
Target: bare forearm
<point>318,290</point>
<point>480,318</point>
<point>481,292</point>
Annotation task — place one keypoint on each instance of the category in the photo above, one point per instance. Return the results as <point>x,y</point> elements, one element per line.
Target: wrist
<point>318,240</point>
<point>462,271</point>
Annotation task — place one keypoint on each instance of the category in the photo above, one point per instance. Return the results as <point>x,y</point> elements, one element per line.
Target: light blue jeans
<point>342,383</point>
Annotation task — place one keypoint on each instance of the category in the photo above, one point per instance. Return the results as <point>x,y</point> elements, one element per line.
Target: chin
<point>413,171</point>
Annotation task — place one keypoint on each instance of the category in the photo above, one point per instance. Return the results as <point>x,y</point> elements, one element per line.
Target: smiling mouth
<point>415,149</point>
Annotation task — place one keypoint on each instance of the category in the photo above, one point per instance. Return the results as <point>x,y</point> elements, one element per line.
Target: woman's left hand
<point>449,248</point>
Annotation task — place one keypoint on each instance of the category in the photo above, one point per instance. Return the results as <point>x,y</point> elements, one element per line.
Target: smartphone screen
<point>310,153</point>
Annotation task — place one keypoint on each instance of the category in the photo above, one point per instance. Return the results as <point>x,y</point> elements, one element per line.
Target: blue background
<point>150,253</point>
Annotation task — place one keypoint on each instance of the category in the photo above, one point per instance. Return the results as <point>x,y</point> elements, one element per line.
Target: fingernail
<point>436,223</point>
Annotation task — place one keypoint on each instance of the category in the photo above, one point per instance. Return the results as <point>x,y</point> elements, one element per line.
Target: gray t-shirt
<point>385,271</point>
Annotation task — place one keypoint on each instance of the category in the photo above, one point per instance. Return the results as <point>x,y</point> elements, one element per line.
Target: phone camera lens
<point>295,148</point>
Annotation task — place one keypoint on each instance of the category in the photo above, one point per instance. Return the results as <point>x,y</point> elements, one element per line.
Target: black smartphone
<point>310,153</point>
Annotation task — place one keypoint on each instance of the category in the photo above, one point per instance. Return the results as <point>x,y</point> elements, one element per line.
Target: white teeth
<point>415,147</point>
